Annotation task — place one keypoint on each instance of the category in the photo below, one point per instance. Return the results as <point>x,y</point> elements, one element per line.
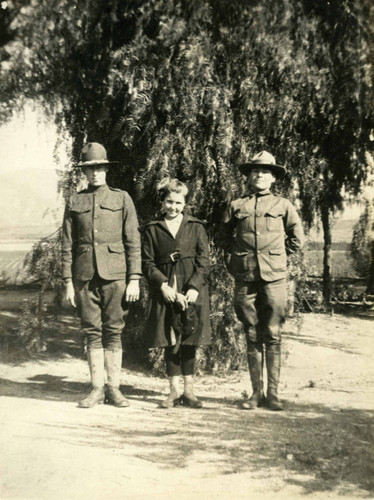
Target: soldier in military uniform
<point>258,231</point>
<point>101,265</point>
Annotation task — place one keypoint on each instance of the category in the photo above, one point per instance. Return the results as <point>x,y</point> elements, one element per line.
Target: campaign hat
<point>263,159</point>
<point>94,154</point>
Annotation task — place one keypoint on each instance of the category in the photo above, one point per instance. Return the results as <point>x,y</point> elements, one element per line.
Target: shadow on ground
<point>313,446</point>
<point>310,445</point>
<point>55,388</point>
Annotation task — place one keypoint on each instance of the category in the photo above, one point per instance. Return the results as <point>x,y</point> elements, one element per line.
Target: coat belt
<point>174,256</point>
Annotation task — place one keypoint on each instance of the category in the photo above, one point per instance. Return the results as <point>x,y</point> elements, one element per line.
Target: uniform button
<point>258,251</point>
<point>258,233</point>
<point>96,243</point>
<point>95,230</point>
<point>258,214</point>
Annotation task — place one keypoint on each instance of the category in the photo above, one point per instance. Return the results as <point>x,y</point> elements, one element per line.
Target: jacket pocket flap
<point>274,213</point>
<point>241,215</point>
<point>116,247</point>
<point>113,205</point>
<point>276,251</point>
<point>81,206</point>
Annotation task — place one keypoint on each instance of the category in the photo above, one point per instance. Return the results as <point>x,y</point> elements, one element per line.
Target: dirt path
<point>321,447</point>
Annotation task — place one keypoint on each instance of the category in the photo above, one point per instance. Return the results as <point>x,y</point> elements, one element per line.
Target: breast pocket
<point>274,221</point>
<point>80,207</point>
<point>243,222</point>
<point>112,205</point>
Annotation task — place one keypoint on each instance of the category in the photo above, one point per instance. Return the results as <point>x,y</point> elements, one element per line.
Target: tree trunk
<point>327,255</point>
<point>370,284</point>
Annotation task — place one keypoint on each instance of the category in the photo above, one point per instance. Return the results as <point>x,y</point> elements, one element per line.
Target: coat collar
<point>161,223</point>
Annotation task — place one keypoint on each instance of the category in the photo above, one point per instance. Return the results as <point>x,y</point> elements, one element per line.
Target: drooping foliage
<point>188,88</point>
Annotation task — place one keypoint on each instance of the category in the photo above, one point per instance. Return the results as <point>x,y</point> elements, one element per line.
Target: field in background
<point>17,241</point>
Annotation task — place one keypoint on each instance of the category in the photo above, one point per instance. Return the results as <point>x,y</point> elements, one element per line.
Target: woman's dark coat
<point>186,255</point>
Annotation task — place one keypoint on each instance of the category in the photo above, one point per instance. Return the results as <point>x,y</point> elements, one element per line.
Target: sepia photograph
<point>187,249</point>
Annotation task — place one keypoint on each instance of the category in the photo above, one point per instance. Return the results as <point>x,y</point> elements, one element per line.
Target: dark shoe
<point>95,397</point>
<point>191,402</point>
<point>257,399</point>
<point>273,402</point>
<point>115,397</point>
<point>170,402</point>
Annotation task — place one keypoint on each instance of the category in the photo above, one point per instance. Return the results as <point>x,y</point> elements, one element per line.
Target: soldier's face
<point>96,176</point>
<point>260,178</point>
<point>173,205</point>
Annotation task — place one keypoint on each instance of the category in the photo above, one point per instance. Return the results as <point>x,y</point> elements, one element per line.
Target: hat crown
<point>94,152</point>
<point>263,158</point>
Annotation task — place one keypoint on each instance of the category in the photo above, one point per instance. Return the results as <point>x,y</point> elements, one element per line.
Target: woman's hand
<point>168,293</point>
<point>181,300</point>
<point>192,295</point>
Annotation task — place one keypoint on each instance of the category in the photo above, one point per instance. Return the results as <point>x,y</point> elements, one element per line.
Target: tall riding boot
<point>255,365</point>
<point>113,365</point>
<point>273,364</point>
<point>96,363</point>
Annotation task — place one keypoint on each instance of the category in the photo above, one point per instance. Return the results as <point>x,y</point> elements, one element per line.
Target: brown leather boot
<point>255,363</point>
<point>113,365</point>
<point>273,364</point>
<point>95,359</point>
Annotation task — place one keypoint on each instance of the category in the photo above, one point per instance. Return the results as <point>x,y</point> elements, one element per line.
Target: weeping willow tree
<point>187,88</point>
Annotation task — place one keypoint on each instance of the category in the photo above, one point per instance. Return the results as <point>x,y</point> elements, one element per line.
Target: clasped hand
<point>170,295</point>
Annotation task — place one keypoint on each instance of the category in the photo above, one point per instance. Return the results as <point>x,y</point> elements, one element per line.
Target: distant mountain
<point>29,200</point>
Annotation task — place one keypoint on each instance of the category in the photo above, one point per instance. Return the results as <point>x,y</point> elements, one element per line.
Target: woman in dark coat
<point>176,265</point>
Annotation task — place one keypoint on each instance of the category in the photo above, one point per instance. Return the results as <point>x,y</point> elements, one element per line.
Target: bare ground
<point>320,447</point>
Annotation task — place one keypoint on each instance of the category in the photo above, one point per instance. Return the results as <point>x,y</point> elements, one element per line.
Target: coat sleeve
<point>202,267</point>
<point>225,236</point>
<point>293,229</point>
<point>131,239</point>
<point>67,244</point>
<point>153,275</point>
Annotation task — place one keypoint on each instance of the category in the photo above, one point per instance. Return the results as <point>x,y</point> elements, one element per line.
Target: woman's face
<point>173,205</point>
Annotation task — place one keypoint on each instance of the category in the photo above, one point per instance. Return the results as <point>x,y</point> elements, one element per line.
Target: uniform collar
<point>259,193</point>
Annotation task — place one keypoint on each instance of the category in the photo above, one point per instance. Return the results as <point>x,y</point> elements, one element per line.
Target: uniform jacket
<point>186,256</point>
<point>100,231</point>
<point>259,231</point>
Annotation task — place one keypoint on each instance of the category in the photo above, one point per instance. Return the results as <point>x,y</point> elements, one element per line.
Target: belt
<point>175,256</point>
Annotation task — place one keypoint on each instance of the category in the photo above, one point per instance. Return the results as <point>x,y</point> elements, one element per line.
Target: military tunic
<point>100,251</point>
<point>258,232</point>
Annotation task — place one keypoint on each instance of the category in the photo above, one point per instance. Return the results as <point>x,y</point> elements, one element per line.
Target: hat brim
<point>96,163</point>
<point>278,170</point>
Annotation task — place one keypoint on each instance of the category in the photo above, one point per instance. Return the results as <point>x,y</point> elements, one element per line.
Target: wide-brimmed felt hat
<point>263,159</point>
<point>94,154</point>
